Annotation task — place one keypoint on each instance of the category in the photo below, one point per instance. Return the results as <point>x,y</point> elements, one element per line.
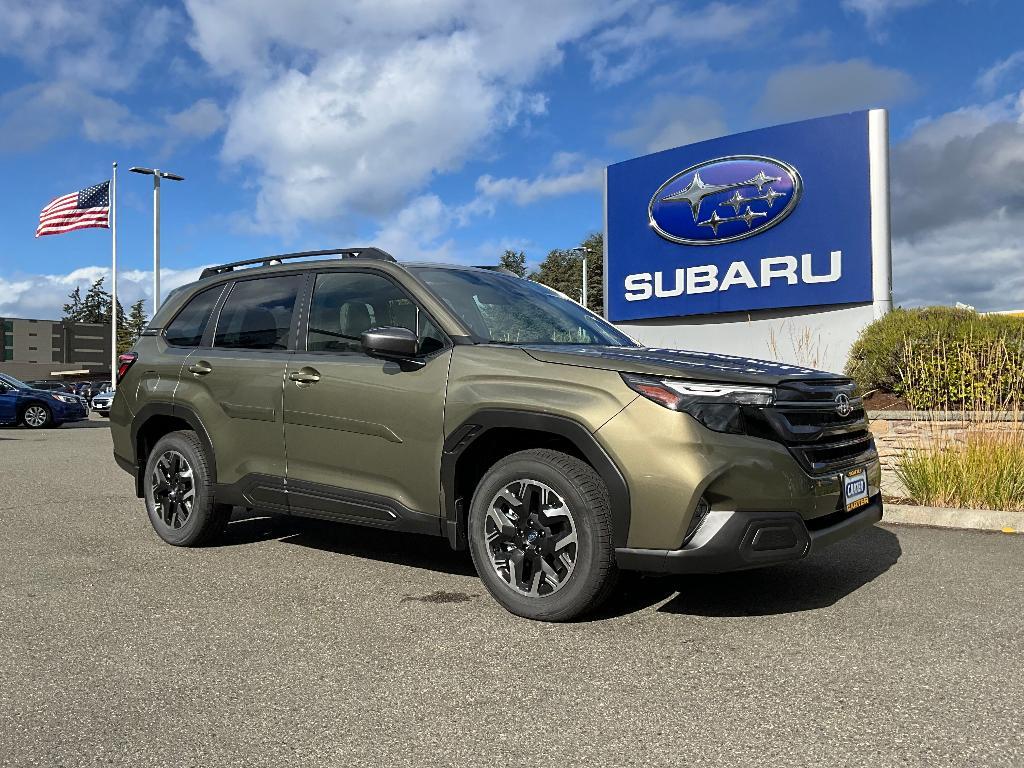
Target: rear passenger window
<point>189,325</point>
<point>258,313</point>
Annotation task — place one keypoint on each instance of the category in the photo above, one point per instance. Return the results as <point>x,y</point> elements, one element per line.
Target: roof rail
<point>266,261</point>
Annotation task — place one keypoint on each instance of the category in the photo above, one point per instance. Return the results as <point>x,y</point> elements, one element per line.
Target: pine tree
<point>73,309</point>
<point>95,305</point>
<point>563,271</point>
<point>133,328</point>
<point>514,262</point>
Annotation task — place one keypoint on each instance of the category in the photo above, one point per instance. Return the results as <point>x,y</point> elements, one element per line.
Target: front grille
<point>805,418</point>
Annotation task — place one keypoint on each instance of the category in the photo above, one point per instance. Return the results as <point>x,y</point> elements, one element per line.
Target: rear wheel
<point>179,492</point>
<point>541,536</point>
<point>37,416</point>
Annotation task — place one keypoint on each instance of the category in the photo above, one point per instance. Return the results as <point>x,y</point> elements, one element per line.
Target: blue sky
<point>454,129</point>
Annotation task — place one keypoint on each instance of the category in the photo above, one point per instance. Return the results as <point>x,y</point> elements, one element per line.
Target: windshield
<point>503,309</point>
<point>13,382</point>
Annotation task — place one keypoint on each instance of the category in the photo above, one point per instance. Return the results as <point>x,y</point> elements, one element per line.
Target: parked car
<point>49,385</point>
<point>99,387</point>
<point>489,410</point>
<point>37,408</point>
<point>101,403</point>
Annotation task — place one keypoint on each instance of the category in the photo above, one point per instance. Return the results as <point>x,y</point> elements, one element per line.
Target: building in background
<point>53,349</point>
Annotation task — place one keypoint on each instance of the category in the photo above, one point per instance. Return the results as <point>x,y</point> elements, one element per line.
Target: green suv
<point>488,409</point>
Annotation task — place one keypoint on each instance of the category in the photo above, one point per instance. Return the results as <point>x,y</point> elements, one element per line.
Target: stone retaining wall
<point>896,431</point>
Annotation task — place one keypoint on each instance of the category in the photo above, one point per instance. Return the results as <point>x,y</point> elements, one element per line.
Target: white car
<point>101,403</point>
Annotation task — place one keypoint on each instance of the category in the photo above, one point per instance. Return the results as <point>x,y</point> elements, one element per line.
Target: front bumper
<point>70,412</point>
<point>101,406</point>
<point>735,541</point>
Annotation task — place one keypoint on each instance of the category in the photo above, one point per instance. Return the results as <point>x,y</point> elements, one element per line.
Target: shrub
<point>985,471</point>
<point>940,357</point>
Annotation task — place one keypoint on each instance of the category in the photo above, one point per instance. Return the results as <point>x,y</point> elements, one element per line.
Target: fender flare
<point>484,420</point>
<point>175,410</point>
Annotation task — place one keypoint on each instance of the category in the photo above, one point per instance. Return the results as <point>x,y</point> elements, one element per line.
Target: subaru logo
<point>723,200</point>
<point>843,407</point>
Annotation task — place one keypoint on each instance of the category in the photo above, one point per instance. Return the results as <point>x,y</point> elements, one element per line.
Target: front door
<point>235,385</point>
<point>363,434</point>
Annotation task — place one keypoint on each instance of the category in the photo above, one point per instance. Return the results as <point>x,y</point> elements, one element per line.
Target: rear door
<point>364,434</point>
<point>234,383</point>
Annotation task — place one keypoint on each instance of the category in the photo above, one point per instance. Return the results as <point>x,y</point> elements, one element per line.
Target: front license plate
<point>855,488</point>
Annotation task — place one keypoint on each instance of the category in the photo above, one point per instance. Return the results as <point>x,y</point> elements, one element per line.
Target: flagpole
<point>113,278</point>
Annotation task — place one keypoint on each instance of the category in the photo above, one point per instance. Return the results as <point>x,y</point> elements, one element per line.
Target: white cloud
<point>957,203</point>
<point>977,261</point>
<point>875,11</point>
<point>200,120</point>
<point>621,52</point>
<point>813,90</point>
<point>102,46</point>
<point>991,77</point>
<point>672,121</point>
<point>43,296</point>
<point>353,108</point>
<point>570,173</point>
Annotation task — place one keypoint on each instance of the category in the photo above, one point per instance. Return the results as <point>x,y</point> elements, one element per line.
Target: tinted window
<point>510,310</point>
<point>258,313</point>
<point>187,328</point>
<point>347,304</point>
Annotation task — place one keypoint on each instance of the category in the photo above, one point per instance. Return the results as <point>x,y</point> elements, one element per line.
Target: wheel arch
<point>153,421</point>
<point>490,434</point>
<point>26,404</point>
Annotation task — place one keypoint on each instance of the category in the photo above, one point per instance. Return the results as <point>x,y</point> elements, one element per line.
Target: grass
<point>985,470</point>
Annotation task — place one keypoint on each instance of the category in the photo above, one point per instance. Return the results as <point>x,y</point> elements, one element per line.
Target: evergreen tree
<point>95,305</point>
<point>514,262</point>
<point>73,309</point>
<point>133,328</point>
<point>563,271</point>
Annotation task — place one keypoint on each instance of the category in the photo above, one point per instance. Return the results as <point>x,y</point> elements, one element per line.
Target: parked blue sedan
<point>37,408</point>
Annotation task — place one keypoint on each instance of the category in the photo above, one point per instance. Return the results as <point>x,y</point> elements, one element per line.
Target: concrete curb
<point>944,517</point>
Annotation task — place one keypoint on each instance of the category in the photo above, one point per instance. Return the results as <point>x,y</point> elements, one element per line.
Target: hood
<point>699,366</point>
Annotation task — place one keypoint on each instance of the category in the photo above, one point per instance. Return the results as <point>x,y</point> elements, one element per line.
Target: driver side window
<point>347,304</point>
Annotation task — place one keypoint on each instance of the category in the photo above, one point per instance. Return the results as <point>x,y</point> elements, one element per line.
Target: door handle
<point>305,376</point>
<point>200,369</point>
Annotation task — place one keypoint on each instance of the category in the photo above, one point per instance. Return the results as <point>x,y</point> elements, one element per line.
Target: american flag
<point>88,207</point>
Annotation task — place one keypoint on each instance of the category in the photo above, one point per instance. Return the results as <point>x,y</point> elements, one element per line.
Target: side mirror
<point>398,343</point>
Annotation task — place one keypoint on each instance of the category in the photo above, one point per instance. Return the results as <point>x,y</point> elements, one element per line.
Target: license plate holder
<point>855,488</point>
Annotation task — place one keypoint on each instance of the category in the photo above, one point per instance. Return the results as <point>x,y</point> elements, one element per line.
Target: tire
<point>561,496</point>
<point>37,416</point>
<point>181,508</point>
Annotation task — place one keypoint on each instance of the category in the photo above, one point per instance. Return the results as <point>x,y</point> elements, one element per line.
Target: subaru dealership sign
<point>774,218</point>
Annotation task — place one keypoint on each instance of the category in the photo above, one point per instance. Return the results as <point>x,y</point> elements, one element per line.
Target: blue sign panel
<point>779,217</point>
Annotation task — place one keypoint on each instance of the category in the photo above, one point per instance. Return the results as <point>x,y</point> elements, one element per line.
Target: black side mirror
<point>399,343</point>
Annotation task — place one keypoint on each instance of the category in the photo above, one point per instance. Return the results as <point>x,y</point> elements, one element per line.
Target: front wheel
<point>179,493</point>
<point>37,416</point>
<point>540,534</point>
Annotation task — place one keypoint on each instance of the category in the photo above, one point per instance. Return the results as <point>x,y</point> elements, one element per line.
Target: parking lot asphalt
<point>307,644</point>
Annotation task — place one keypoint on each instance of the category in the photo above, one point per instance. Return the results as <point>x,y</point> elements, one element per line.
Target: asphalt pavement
<point>307,644</point>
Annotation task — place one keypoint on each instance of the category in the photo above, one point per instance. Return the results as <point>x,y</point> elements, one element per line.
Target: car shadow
<point>417,551</point>
<point>818,581</point>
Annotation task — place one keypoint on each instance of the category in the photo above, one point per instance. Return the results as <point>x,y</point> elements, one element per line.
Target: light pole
<point>157,174</point>
<point>584,250</point>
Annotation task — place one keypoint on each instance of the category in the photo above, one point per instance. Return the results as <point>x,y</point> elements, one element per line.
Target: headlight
<point>718,406</point>
<point>64,398</point>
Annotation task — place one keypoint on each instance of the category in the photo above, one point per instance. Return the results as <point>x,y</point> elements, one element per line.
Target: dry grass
<point>983,470</point>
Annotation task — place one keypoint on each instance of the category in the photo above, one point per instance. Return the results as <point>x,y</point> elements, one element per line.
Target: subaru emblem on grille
<point>843,407</point>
